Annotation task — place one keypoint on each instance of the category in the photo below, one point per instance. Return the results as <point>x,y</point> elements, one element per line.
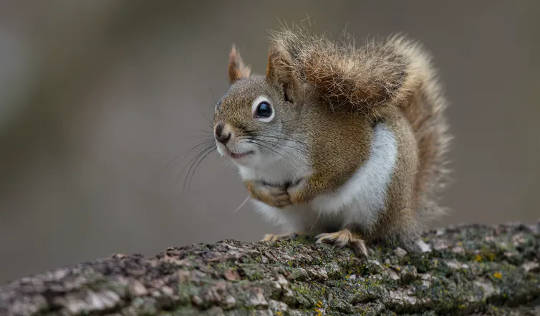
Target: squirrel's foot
<point>276,237</point>
<point>344,238</point>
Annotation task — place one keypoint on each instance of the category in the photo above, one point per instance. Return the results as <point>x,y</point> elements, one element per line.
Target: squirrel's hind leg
<point>344,238</point>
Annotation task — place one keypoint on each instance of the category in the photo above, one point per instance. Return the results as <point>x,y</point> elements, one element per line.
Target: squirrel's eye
<point>262,109</point>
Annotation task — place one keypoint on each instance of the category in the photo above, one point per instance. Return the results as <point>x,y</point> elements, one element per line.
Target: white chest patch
<point>363,196</point>
<point>359,201</point>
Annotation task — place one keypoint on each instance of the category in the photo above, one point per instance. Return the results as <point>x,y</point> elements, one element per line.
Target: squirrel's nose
<point>221,136</point>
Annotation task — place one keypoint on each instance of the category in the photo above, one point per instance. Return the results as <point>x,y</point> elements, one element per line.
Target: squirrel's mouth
<point>238,155</point>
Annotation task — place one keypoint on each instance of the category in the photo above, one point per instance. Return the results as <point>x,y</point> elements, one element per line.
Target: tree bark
<point>461,270</point>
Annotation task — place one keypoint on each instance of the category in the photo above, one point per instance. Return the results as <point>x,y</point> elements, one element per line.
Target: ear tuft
<point>237,69</point>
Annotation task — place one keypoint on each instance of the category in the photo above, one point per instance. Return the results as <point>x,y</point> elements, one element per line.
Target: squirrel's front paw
<point>297,192</point>
<point>276,196</point>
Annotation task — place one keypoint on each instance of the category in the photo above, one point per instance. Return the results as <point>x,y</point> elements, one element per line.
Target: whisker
<point>265,146</point>
<point>262,144</point>
<point>241,205</point>
<point>299,149</point>
<point>168,163</point>
<point>193,170</point>
<point>261,139</point>
<point>207,142</point>
<point>280,136</point>
<point>189,165</point>
<point>194,164</point>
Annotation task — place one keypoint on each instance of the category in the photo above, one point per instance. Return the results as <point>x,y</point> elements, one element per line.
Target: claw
<point>276,237</point>
<point>282,200</point>
<point>344,238</point>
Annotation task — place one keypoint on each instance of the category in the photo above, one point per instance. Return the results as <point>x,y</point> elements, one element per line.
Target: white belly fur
<point>359,201</point>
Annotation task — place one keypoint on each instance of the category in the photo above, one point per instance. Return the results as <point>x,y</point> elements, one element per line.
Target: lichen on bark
<point>464,269</point>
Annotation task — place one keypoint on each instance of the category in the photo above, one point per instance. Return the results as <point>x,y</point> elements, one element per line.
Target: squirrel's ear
<point>237,69</point>
<point>280,72</point>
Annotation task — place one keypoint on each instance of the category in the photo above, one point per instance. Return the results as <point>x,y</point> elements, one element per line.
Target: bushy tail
<point>396,71</point>
<point>423,105</point>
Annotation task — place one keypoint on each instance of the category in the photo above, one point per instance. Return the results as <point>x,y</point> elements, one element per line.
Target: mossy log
<point>461,270</point>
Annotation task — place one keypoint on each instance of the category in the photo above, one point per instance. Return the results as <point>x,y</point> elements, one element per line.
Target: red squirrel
<point>341,142</point>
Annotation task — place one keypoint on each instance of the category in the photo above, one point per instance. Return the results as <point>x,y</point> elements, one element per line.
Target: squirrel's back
<point>394,72</point>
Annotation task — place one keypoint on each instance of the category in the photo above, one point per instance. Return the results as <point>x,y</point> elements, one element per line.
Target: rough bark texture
<point>462,270</point>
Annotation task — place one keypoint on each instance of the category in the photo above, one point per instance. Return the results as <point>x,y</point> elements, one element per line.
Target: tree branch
<point>464,269</point>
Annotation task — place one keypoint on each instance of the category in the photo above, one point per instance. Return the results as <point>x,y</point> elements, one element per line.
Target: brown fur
<point>392,80</point>
<point>332,164</point>
<point>332,95</point>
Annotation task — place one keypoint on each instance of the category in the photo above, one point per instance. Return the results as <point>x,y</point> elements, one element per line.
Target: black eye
<point>264,110</point>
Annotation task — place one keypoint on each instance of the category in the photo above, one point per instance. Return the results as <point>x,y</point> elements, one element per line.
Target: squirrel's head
<point>252,121</point>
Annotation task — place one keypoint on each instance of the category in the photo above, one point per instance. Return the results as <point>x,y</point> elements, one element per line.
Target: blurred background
<point>102,101</point>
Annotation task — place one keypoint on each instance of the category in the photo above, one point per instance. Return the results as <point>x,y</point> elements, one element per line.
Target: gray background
<point>101,101</point>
